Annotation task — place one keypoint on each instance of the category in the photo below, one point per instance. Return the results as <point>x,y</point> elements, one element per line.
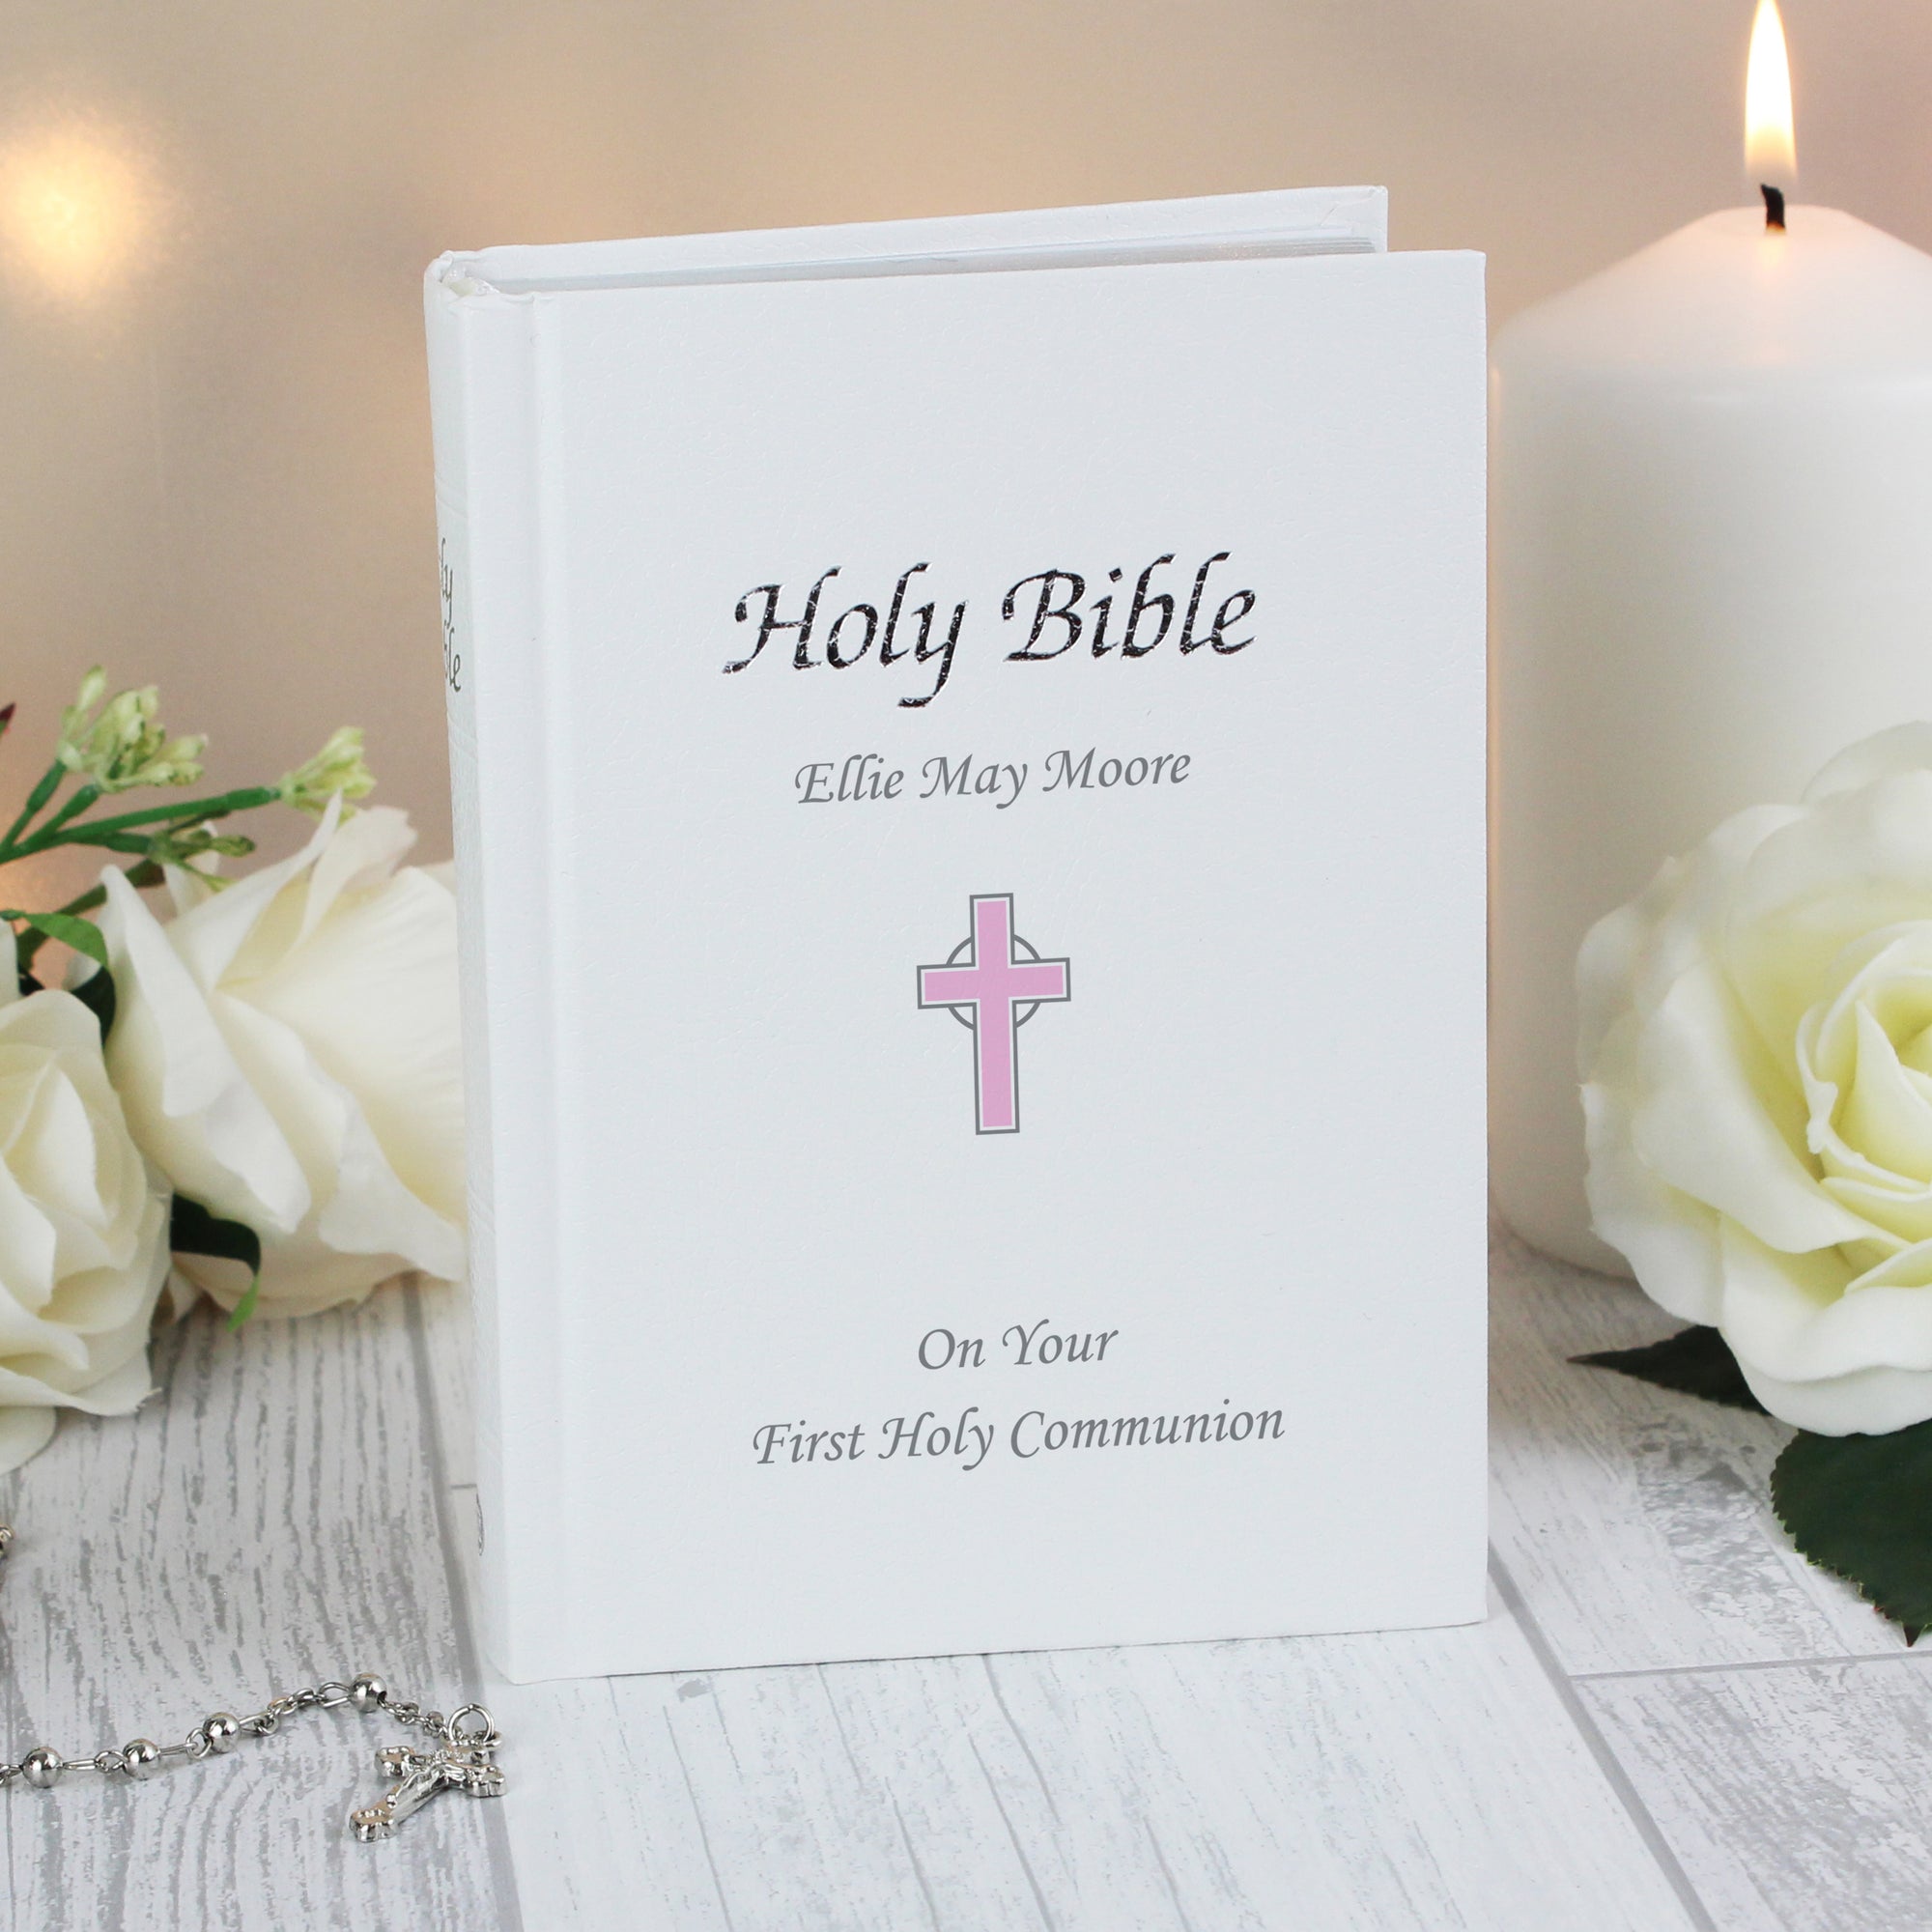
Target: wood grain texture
<point>1795,1797</point>
<point>288,1511</point>
<point>1421,1781</point>
<point>1428,1779</point>
<point>272,1521</point>
<point>1433,1779</point>
<point>1635,1520</point>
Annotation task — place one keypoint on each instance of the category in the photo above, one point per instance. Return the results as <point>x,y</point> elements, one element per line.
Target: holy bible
<point>968,750</point>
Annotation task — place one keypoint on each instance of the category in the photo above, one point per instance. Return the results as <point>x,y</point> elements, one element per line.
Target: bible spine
<point>481,353</point>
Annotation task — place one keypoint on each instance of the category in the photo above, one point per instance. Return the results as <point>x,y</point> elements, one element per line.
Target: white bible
<point>968,744</point>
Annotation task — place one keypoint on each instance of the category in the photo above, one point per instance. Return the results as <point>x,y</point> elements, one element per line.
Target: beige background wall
<point>214,468</point>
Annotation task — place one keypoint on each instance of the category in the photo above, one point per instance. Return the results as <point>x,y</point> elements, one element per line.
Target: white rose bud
<point>83,1224</point>
<point>287,1051</point>
<point>1756,1050</point>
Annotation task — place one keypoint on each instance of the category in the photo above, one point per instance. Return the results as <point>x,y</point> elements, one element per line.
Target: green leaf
<point>1860,1506</point>
<point>244,1309</point>
<point>82,934</point>
<point>194,1230</point>
<point>1694,1361</point>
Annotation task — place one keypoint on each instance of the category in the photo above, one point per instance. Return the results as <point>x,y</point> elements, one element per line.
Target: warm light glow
<point>1771,147</point>
<point>77,210</point>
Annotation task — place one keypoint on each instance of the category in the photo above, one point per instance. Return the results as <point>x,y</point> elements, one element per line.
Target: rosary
<point>462,1753</point>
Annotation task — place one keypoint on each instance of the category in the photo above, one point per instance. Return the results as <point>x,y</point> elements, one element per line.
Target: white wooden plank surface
<point>1636,1522</point>
<point>273,1520</point>
<point>1431,1779</point>
<point>288,1512</point>
<point>1797,1795</point>
<point>1426,1779</point>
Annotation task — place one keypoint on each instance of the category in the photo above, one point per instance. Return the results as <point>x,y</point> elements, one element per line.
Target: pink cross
<point>994,987</point>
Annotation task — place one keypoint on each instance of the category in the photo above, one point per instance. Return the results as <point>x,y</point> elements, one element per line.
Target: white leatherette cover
<point>970,791</point>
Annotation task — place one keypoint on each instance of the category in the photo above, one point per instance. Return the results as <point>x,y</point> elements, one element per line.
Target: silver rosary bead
<point>465,1759</point>
<point>368,1692</point>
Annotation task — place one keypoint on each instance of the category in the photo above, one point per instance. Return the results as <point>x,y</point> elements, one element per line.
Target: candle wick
<point>1773,207</point>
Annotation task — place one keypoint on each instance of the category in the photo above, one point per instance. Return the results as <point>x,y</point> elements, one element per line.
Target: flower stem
<point>106,831</point>
<point>245,798</point>
<point>36,802</point>
<point>71,809</point>
<point>132,843</point>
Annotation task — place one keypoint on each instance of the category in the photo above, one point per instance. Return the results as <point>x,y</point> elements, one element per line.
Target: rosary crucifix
<point>464,1757</point>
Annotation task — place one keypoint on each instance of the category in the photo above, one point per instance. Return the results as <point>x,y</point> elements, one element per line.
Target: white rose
<point>83,1224</point>
<point>1756,1049</point>
<point>287,1052</point>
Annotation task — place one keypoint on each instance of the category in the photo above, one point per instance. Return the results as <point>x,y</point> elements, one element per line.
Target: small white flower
<point>124,747</point>
<point>1756,1051</point>
<point>335,770</point>
<point>287,1051</point>
<point>83,1224</point>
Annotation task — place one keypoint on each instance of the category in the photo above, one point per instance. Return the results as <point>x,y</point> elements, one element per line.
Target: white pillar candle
<point>1710,570</point>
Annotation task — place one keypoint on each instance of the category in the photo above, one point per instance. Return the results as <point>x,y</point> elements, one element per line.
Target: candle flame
<point>1771,147</point>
